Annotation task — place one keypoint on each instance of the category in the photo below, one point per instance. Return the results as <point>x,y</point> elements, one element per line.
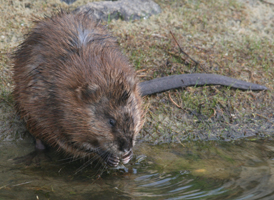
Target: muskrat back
<point>76,90</point>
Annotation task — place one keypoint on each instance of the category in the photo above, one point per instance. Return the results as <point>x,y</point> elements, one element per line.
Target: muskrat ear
<point>89,92</point>
<point>125,95</point>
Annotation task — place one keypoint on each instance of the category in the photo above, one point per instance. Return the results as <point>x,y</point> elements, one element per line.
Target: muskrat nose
<point>124,145</point>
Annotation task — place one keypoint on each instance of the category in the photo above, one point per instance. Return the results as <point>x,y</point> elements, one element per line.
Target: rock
<point>123,9</point>
<point>69,1</point>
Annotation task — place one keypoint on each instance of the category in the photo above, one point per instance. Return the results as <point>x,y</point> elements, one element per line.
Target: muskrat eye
<point>112,122</point>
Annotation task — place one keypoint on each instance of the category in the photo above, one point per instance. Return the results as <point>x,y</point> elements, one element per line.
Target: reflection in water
<point>197,170</point>
<point>171,186</point>
<point>242,170</point>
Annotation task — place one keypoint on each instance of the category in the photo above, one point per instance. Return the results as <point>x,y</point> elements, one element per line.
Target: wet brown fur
<point>71,79</point>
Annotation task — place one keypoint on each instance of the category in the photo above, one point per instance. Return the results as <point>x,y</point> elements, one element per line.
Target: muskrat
<point>76,91</point>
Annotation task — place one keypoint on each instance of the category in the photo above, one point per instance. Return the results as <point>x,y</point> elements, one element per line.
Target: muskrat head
<point>112,119</point>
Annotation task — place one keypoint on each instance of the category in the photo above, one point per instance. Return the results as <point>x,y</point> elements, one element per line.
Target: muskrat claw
<point>113,161</point>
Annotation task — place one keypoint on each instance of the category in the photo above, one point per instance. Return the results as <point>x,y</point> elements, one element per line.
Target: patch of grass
<point>225,37</point>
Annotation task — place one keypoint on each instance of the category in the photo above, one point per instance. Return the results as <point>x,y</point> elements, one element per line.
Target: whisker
<point>82,167</point>
<point>95,157</point>
<point>98,165</point>
<point>69,160</point>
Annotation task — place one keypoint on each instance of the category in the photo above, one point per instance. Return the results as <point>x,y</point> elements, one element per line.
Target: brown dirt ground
<point>231,38</point>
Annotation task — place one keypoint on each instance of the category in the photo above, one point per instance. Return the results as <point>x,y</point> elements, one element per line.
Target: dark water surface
<point>193,170</point>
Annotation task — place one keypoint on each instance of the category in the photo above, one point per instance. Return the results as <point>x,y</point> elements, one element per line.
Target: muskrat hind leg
<point>39,145</point>
<point>37,155</point>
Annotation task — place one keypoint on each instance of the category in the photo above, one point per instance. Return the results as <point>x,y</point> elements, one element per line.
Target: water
<point>193,170</point>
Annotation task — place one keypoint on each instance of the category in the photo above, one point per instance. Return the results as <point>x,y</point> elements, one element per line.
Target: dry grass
<point>225,37</point>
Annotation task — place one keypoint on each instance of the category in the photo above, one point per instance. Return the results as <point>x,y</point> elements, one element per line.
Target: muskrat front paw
<point>113,161</point>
